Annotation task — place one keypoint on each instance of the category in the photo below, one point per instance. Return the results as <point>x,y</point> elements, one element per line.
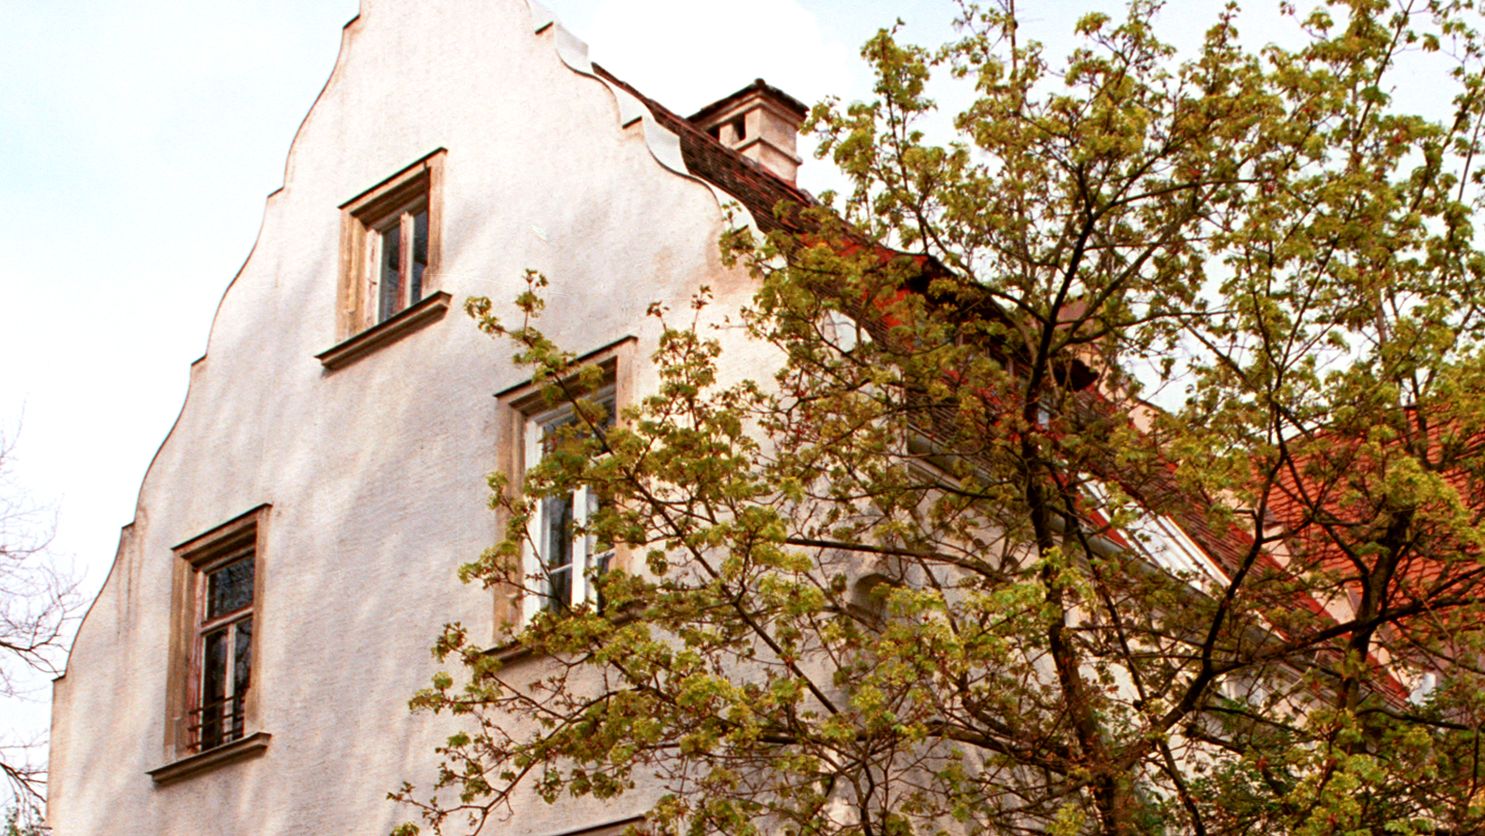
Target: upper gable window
<point>399,255</point>
<point>390,246</point>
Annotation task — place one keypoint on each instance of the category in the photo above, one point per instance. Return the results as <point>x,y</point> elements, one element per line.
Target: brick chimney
<point>760,122</point>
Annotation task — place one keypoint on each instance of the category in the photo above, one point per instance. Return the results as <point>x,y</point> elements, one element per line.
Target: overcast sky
<point>140,139</point>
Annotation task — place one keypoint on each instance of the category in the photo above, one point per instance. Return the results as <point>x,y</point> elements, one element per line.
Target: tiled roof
<point>756,188</point>
<point>1331,501</point>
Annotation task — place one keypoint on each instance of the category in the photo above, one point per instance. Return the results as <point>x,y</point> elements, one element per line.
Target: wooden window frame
<point>404,221</point>
<point>229,720</point>
<point>195,560</point>
<point>522,410</point>
<point>395,200</point>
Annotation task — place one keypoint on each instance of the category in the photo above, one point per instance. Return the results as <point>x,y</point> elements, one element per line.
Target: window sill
<point>509,651</point>
<point>428,310</point>
<point>251,746</point>
<point>514,650</point>
<point>616,828</point>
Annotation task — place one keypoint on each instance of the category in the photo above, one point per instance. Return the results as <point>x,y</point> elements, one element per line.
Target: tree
<point>17,825</point>
<point>947,568</point>
<point>36,602</point>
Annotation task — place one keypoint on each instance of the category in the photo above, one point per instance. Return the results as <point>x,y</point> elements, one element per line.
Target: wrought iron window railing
<point>216,723</point>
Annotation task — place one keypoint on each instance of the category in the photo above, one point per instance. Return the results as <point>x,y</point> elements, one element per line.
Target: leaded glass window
<point>225,642</point>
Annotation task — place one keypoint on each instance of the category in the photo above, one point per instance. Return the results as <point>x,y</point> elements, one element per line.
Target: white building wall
<point>374,471</point>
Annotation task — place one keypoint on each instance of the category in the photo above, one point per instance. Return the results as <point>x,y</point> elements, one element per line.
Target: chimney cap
<point>758,86</point>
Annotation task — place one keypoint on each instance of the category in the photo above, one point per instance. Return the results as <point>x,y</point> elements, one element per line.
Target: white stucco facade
<point>375,471</point>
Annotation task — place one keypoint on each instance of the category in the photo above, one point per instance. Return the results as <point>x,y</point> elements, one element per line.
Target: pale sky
<point>139,139</point>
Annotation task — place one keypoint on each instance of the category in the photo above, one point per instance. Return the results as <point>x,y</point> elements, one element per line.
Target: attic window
<point>390,244</point>
<point>390,248</point>
<point>399,247</point>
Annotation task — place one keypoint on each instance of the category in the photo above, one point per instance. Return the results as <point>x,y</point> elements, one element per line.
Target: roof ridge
<point>751,184</point>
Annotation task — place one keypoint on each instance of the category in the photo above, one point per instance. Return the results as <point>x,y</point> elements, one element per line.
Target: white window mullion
<point>404,267</point>
<point>224,711</point>
<point>373,273</point>
<point>579,546</point>
<point>530,559</point>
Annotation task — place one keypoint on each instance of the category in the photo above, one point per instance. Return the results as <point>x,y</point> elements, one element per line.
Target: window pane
<point>559,589</point>
<point>596,545</point>
<point>213,687</point>
<point>390,301</point>
<point>214,667</point>
<point>608,410</point>
<point>600,566</point>
<point>242,660</point>
<point>556,539</point>
<point>242,656</point>
<point>420,256</point>
<point>556,549</point>
<point>229,588</point>
<point>549,432</point>
<point>549,428</point>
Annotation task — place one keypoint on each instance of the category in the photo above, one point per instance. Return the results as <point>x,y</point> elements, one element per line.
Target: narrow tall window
<point>219,583</point>
<point>224,638</point>
<point>562,556</point>
<point>565,559</point>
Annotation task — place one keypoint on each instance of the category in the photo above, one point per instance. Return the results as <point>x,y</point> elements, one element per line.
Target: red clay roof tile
<point>759,190</point>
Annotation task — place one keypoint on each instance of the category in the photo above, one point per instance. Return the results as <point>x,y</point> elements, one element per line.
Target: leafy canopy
<point>942,567</point>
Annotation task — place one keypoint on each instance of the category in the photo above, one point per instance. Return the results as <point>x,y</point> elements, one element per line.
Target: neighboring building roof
<point>759,190</point>
<point>1332,499</point>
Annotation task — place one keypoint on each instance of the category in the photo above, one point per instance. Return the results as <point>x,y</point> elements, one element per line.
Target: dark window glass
<point>608,411</point>
<point>600,566</point>
<point>420,256</point>
<point>595,504</point>
<point>213,687</point>
<point>391,267</point>
<point>549,429</point>
<point>556,549</point>
<point>229,588</point>
<point>242,656</point>
<point>214,668</point>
